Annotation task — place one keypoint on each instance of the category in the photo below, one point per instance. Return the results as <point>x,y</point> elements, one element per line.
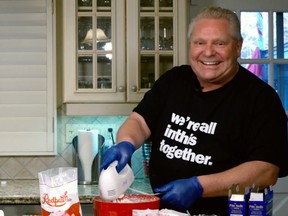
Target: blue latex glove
<point>122,152</point>
<point>181,194</point>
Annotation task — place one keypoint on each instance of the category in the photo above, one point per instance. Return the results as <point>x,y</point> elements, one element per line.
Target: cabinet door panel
<point>157,41</point>
<point>94,51</point>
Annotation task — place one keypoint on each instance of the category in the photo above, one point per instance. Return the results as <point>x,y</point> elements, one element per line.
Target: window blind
<point>26,77</point>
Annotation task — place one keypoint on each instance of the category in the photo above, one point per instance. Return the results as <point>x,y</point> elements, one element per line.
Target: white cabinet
<point>113,51</point>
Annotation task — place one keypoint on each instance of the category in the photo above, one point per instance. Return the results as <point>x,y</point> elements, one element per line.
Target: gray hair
<point>219,13</point>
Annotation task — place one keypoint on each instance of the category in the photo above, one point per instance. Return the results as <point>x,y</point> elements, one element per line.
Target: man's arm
<point>134,130</point>
<point>260,173</point>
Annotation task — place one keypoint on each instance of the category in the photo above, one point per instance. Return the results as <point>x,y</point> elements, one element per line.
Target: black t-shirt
<point>196,133</point>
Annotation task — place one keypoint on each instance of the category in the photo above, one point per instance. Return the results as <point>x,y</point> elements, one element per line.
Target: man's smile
<point>210,62</point>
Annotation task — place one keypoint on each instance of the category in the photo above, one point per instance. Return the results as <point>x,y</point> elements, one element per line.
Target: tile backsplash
<point>27,167</point>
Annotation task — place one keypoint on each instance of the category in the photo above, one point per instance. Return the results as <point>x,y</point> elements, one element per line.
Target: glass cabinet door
<point>93,44</point>
<point>94,40</point>
<point>160,34</point>
<point>156,40</point>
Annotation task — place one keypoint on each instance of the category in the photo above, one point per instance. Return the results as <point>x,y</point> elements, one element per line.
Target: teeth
<point>210,63</point>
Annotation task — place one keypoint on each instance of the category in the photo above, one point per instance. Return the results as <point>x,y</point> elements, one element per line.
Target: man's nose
<point>209,50</point>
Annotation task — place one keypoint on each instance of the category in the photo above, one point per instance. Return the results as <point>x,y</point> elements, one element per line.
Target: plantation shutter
<point>26,78</point>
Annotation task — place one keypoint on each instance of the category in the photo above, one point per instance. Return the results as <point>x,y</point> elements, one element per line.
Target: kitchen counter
<point>25,195</point>
<point>27,191</point>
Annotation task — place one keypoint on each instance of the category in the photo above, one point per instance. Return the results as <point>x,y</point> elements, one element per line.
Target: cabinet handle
<point>121,88</point>
<point>134,88</point>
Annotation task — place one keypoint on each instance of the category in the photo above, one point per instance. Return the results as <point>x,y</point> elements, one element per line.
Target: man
<point>212,124</point>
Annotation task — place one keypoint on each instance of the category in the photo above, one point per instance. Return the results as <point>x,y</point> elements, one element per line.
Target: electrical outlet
<point>72,130</point>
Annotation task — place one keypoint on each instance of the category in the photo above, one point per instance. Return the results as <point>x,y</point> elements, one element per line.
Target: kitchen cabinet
<point>113,51</point>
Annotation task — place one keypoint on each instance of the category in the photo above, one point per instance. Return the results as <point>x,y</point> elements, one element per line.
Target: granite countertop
<point>27,191</point>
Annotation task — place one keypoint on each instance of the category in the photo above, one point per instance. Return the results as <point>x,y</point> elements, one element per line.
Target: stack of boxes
<point>250,201</point>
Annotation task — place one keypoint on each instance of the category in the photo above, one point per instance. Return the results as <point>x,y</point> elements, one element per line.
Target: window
<point>26,78</point>
<point>265,48</point>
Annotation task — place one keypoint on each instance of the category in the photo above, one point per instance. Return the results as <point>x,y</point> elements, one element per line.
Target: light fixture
<point>101,36</point>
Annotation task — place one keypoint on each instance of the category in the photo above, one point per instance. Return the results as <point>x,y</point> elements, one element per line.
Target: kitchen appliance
<point>87,145</point>
<point>125,205</point>
<point>113,184</point>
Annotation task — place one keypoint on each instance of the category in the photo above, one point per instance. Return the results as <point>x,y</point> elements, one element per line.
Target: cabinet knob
<point>134,88</point>
<point>121,88</point>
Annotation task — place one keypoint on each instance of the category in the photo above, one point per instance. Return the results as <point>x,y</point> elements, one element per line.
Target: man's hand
<point>181,194</point>
<point>122,152</point>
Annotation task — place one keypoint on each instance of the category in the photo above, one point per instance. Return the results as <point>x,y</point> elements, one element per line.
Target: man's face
<point>213,52</point>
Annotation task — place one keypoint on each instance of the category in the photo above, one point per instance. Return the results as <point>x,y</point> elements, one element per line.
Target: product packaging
<point>261,202</point>
<point>59,192</point>
<point>238,200</point>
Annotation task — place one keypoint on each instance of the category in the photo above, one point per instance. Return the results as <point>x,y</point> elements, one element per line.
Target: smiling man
<point>214,48</point>
<point>212,123</point>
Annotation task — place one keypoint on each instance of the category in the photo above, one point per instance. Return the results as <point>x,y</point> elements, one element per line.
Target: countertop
<point>24,192</point>
<point>27,191</point>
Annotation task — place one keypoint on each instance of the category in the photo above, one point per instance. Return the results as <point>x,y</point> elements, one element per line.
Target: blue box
<point>238,201</point>
<point>261,202</point>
